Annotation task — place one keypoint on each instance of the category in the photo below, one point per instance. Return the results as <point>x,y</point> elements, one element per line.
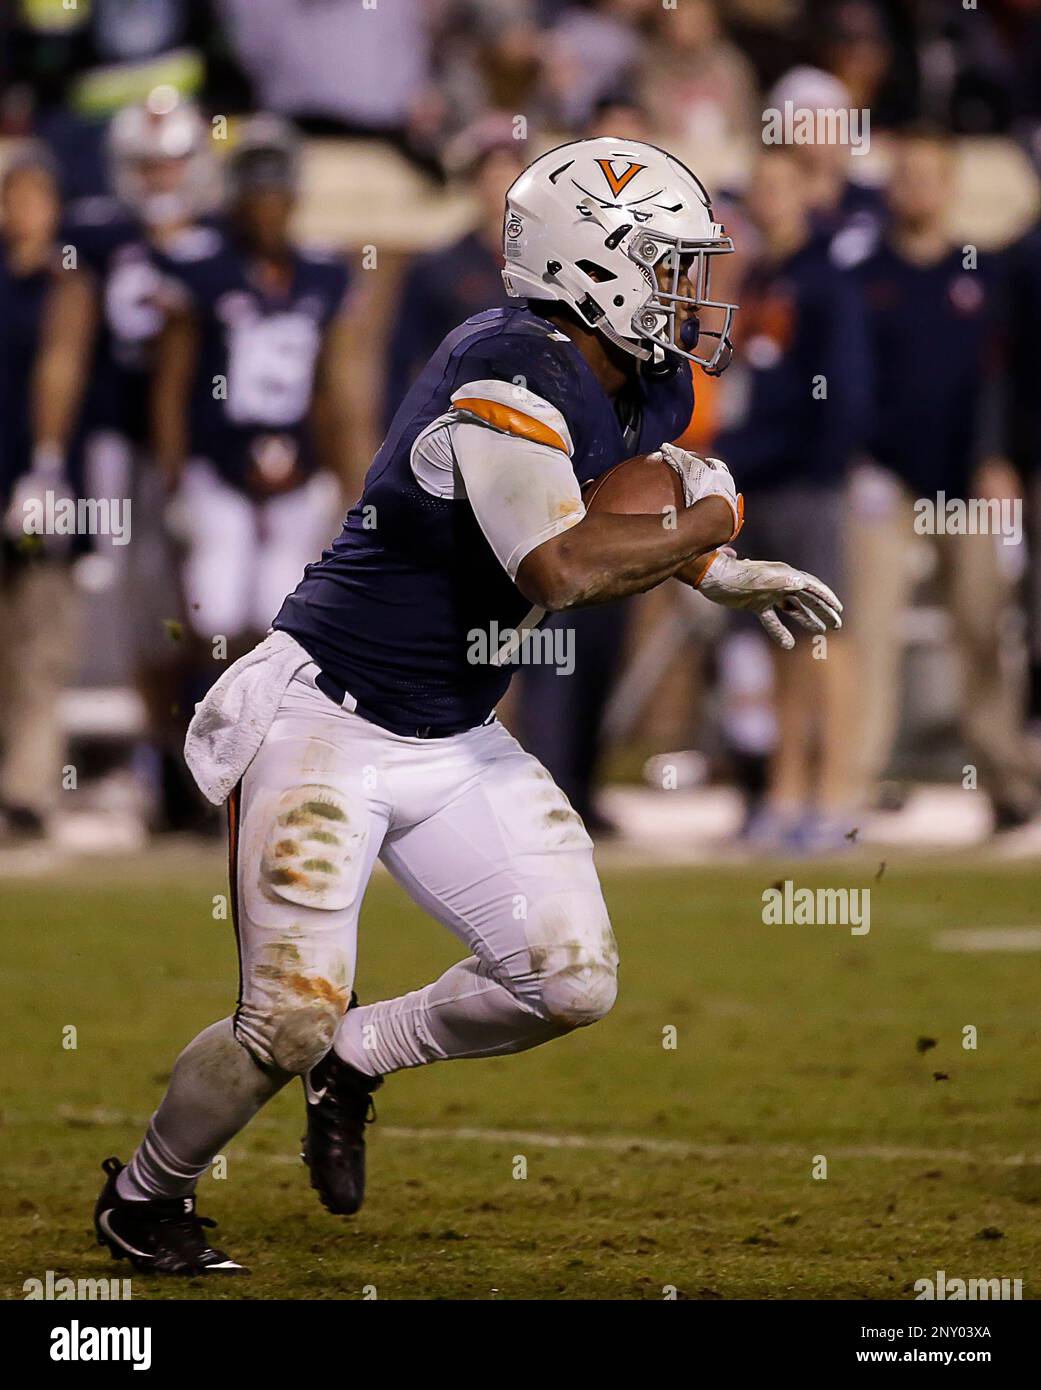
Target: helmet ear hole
<point>599,273</point>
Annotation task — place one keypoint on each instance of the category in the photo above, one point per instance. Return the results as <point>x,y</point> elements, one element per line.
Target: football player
<point>364,725</point>
<point>248,395</point>
<point>96,362</point>
<point>104,316</point>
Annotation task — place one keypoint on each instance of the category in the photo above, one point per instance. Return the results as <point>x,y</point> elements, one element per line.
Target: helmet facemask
<point>660,319</point>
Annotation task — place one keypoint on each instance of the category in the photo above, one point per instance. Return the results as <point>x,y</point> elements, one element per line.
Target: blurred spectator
<point>443,288</point>
<point>334,68</point>
<point>560,716</point>
<point>37,599</point>
<point>74,66</point>
<point>933,319</point>
<point>796,397</point>
<point>487,56</point>
<point>697,85</point>
<point>590,52</point>
<point>621,116</point>
<point>1024,420</point>
<point>836,202</point>
<point>855,48</point>
<point>981,66</point>
<point>249,422</point>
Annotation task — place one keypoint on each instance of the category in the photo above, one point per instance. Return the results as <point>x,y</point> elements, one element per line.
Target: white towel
<point>230,723</point>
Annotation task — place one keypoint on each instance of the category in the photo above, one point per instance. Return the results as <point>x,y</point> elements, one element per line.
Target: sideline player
<point>96,360</point>
<point>104,314</point>
<point>248,396</point>
<point>360,728</point>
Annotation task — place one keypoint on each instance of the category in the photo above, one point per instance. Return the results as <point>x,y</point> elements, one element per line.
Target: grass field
<point>647,1167</point>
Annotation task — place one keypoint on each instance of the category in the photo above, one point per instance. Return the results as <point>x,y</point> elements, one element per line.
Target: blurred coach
<point>933,313</point>
<point>795,401</point>
<point>37,597</point>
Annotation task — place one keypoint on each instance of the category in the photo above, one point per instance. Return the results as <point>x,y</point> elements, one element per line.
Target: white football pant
<point>473,828</point>
<point>476,832</point>
<point>245,554</point>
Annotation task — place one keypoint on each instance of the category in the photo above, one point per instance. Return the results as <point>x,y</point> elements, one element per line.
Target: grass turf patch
<point>647,1166</point>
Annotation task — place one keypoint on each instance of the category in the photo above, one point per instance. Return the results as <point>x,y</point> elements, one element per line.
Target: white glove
<point>763,586</point>
<point>703,478</point>
<point>28,499</point>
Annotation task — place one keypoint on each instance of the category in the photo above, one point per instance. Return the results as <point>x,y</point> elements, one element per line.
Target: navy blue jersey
<point>801,355</point>
<point>22,299</point>
<point>934,343</point>
<point>387,610</point>
<point>858,207</point>
<point>254,383</point>
<point>110,242</point>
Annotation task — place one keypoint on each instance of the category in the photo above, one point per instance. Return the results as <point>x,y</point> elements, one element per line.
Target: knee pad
<point>311,848</point>
<point>574,958</point>
<point>296,992</point>
<point>289,1034</point>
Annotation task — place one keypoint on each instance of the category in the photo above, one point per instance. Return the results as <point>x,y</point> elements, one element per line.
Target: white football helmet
<point>159,157</point>
<point>588,224</point>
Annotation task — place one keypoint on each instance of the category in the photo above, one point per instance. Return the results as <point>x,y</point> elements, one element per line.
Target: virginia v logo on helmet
<point>623,233</point>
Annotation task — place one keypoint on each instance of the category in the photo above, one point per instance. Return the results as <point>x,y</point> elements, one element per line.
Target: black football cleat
<point>339,1106</point>
<point>162,1236</point>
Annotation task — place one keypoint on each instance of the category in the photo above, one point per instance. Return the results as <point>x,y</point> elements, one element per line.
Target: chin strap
<point>661,365</point>
<point>641,351</point>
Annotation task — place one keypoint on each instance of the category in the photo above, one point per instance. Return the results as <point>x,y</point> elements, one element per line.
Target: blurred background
<point>174,172</point>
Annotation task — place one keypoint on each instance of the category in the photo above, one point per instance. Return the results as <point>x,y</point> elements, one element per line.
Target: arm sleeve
<point>522,494</point>
<point>511,452</point>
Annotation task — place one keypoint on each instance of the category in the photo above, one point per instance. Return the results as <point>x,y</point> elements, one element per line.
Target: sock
<point>128,1189</point>
<point>215,1090</point>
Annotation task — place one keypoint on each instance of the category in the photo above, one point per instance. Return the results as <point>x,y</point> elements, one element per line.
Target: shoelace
<point>370,1111</point>
<point>188,1223</point>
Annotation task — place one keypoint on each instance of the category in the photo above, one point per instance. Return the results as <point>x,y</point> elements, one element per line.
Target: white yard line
<point>679,1148</point>
<point>88,1117</point>
<point>1001,940</point>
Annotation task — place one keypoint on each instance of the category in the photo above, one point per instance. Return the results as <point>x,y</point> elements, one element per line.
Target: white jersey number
<point>271,369</point>
<point>132,304</point>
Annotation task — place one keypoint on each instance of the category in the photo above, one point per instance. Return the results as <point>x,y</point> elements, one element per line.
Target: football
<point>642,485</point>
